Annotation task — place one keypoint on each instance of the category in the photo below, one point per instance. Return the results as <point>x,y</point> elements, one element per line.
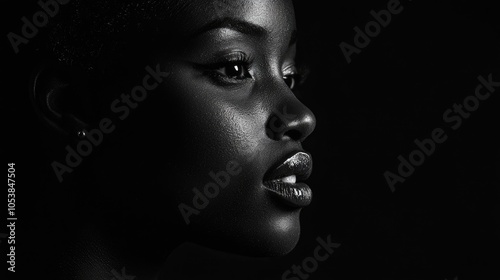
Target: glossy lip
<point>296,194</point>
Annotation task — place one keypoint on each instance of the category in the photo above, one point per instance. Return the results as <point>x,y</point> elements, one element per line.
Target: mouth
<point>285,181</point>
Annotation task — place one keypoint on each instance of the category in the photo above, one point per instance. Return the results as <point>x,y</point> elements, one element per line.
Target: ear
<point>54,99</point>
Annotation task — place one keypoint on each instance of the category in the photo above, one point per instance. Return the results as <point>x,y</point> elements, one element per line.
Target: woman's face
<point>226,121</point>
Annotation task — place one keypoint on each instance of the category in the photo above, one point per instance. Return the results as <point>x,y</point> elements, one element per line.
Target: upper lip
<point>298,163</point>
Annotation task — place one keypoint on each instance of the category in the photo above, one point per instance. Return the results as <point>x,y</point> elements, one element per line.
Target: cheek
<point>220,150</point>
<point>211,130</point>
<point>214,126</point>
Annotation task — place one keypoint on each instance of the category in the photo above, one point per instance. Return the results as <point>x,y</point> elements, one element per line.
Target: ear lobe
<point>51,94</point>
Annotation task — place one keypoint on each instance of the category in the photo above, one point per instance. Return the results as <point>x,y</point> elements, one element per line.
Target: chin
<point>283,235</point>
<point>274,236</point>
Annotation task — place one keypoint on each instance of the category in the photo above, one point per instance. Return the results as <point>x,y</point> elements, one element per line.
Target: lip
<point>280,183</point>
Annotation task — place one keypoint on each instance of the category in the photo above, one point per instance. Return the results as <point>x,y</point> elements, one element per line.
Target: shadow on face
<point>197,132</point>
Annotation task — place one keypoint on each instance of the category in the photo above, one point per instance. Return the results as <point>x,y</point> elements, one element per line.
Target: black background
<point>441,223</point>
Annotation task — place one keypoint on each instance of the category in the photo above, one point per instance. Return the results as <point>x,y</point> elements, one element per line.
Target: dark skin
<point>230,85</point>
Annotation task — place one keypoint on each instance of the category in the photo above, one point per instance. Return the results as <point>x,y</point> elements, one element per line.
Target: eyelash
<point>298,76</point>
<point>243,62</point>
<point>240,60</point>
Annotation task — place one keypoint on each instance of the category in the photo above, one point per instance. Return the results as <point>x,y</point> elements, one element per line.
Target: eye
<point>290,80</point>
<point>234,70</point>
<point>231,69</point>
<point>295,76</point>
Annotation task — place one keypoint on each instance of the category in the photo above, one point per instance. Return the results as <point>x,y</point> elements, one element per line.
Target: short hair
<point>91,33</point>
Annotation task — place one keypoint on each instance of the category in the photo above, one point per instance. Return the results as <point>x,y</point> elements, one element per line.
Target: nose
<point>290,119</point>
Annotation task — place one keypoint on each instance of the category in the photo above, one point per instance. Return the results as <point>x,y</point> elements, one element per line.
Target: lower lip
<point>292,194</point>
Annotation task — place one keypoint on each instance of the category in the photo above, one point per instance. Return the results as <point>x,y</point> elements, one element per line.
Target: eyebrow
<point>234,24</point>
<point>241,26</point>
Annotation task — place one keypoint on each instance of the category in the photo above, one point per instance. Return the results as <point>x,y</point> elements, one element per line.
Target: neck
<point>93,256</point>
<point>96,237</point>
<point>97,250</point>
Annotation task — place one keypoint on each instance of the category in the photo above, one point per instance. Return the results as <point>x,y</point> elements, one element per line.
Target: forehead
<point>275,16</point>
<point>95,31</point>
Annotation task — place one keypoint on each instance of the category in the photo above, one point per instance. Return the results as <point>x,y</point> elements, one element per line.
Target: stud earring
<point>81,134</point>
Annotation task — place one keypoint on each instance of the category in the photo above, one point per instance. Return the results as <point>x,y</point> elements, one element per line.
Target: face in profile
<point>217,146</point>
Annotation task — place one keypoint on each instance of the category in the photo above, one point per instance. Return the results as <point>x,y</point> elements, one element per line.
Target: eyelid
<point>237,56</point>
<point>299,72</point>
<point>290,70</point>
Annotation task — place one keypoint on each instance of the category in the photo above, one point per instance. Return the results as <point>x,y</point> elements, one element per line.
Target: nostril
<point>275,128</point>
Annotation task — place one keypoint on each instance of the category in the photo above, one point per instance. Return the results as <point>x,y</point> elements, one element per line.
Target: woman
<point>179,122</point>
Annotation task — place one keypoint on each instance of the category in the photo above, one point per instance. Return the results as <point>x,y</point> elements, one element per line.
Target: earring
<point>81,134</point>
